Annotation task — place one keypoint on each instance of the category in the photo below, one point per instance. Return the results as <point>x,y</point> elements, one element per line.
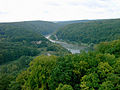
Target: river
<point>73,48</point>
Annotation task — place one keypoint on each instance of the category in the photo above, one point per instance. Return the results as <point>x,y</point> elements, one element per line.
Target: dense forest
<point>29,61</point>
<point>90,32</point>
<point>96,70</point>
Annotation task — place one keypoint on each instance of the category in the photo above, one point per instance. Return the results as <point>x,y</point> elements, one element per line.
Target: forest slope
<point>42,27</point>
<point>19,39</point>
<point>90,32</point>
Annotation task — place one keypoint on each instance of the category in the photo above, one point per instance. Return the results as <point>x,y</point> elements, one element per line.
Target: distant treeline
<point>41,27</point>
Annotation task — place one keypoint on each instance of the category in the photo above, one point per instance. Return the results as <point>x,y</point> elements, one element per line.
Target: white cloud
<point>53,10</point>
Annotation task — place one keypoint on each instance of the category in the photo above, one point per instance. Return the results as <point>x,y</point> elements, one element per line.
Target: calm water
<point>71,47</point>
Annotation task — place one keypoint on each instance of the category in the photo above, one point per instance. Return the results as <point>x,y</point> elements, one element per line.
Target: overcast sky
<point>58,10</point>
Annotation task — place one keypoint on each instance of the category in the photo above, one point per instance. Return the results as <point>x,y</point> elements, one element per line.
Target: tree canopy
<point>94,70</point>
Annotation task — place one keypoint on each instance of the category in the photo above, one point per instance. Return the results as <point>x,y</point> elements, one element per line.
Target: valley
<point>65,55</point>
<point>73,48</point>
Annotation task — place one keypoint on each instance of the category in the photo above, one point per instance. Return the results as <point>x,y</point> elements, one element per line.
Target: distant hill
<point>63,23</point>
<point>42,27</point>
<point>19,31</point>
<point>91,32</point>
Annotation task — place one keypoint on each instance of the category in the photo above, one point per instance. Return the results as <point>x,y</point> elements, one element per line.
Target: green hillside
<point>90,32</point>
<point>19,39</point>
<point>42,27</point>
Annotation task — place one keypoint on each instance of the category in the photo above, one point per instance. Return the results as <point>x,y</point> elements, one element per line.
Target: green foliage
<point>16,41</point>
<point>117,66</point>
<point>91,31</point>
<point>114,79</point>
<point>41,27</point>
<point>107,86</point>
<point>16,66</point>
<point>90,81</point>
<point>104,69</point>
<point>64,87</point>
<point>10,51</point>
<point>39,73</point>
<point>19,43</point>
<point>5,81</point>
<point>109,47</point>
<point>80,68</point>
<point>8,73</point>
<point>62,73</point>
<point>85,71</point>
<point>24,38</point>
<point>97,70</point>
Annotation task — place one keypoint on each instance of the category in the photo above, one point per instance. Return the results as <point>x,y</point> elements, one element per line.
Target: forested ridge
<point>42,27</point>
<point>63,23</point>
<point>90,32</point>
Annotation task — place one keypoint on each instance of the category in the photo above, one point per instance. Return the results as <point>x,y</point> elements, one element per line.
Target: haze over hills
<point>71,22</point>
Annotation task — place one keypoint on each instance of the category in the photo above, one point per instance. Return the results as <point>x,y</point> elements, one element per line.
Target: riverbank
<point>73,48</point>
